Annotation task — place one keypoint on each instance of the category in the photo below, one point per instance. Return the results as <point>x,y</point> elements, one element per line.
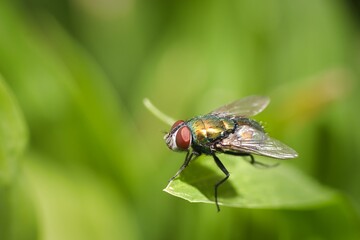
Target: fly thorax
<point>210,128</point>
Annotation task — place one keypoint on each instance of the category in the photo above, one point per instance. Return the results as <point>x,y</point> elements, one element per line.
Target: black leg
<point>188,158</point>
<point>253,162</point>
<point>264,165</point>
<point>225,171</point>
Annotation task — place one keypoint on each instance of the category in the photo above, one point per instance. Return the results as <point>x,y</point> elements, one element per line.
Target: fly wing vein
<point>245,107</point>
<point>249,140</point>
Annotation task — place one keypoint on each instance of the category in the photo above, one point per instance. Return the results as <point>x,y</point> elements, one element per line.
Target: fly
<point>227,130</point>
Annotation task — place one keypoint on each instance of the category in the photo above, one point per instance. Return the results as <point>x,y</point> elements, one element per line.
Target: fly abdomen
<point>249,122</point>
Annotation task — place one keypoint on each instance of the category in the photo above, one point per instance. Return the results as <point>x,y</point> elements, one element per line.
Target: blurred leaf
<point>13,134</point>
<point>13,139</point>
<point>248,186</point>
<point>320,89</point>
<point>21,222</point>
<point>74,203</point>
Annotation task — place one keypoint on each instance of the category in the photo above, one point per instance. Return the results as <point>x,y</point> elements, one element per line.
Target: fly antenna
<point>157,113</point>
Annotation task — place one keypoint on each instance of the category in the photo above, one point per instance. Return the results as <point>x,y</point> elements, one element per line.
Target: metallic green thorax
<point>209,128</point>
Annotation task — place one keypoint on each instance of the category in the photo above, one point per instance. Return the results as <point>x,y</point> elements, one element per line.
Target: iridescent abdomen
<point>206,129</point>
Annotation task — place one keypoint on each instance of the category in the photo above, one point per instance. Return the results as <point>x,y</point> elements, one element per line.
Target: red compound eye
<point>183,138</point>
<point>177,123</point>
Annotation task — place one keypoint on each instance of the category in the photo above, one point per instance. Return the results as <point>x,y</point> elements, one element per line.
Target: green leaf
<point>249,187</point>
<point>13,134</point>
<point>74,203</point>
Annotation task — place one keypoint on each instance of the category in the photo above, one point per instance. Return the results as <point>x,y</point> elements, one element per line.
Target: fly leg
<point>253,161</point>
<point>188,158</point>
<point>256,163</point>
<point>225,171</point>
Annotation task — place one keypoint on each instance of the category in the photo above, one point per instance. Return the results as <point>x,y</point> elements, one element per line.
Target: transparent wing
<point>245,107</point>
<point>253,141</point>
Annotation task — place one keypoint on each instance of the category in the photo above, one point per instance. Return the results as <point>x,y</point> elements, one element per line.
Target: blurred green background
<point>80,156</point>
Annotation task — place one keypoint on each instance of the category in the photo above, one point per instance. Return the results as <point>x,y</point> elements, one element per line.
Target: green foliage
<point>13,138</point>
<point>13,135</point>
<point>249,187</point>
<point>81,158</point>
